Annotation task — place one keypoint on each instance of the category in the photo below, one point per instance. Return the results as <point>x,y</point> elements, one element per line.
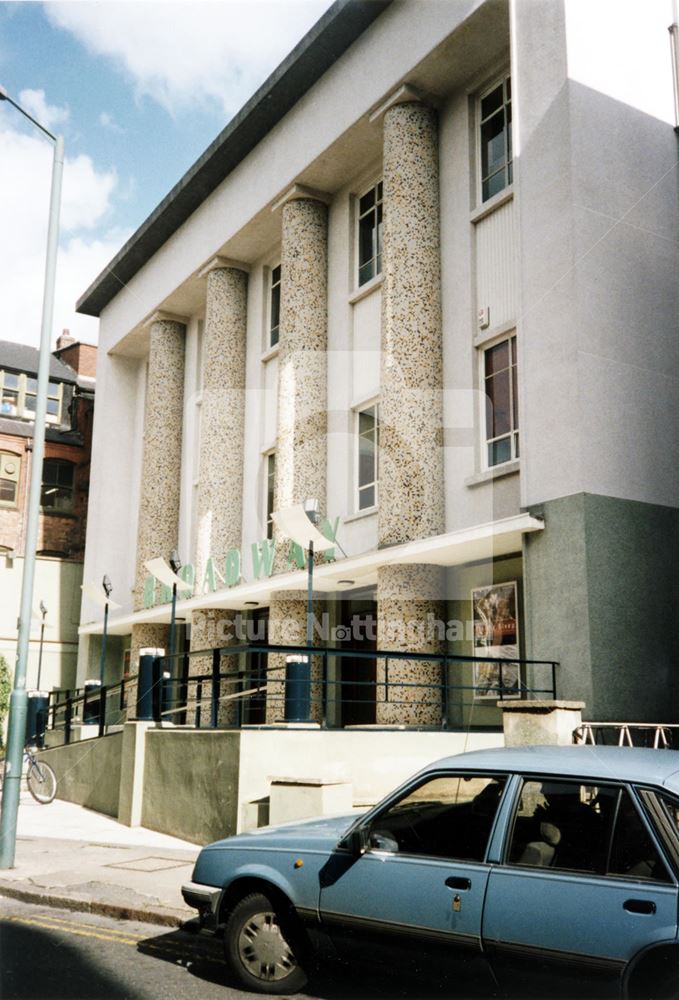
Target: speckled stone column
<point>287,627</point>
<point>301,446</point>
<point>411,502</point>
<point>210,628</point>
<point>302,361</point>
<point>158,525</point>
<point>220,483</point>
<point>411,415</point>
<point>411,618</point>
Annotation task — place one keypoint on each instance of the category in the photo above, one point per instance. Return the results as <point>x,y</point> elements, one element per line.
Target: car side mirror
<point>356,841</point>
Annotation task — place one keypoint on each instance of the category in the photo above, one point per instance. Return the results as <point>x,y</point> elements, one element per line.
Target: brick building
<point>63,510</point>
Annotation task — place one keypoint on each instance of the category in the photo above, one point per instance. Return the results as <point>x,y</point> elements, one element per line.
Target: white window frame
<point>375,484</point>
<point>269,344</point>
<point>500,80</point>
<point>268,522</point>
<point>515,431</point>
<point>358,284</point>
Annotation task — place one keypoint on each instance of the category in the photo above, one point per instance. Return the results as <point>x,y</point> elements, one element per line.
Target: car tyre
<point>262,947</point>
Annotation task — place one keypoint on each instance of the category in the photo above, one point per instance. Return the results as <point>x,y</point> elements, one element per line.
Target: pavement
<point>78,859</point>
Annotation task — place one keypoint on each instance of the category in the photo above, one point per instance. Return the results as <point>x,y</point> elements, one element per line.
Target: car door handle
<point>639,906</point>
<point>458,883</point>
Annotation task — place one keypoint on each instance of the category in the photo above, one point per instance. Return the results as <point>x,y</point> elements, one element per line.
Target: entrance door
<point>358,630</point>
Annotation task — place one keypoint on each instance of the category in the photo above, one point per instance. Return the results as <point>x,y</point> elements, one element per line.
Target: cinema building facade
<point>427,277</point>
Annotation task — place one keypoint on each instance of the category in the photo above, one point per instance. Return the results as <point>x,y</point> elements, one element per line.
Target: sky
<point>138,89</point>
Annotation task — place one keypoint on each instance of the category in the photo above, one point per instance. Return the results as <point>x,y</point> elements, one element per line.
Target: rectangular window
<point>57,485</point>
<point>20,396</point>
<point>502,416</point>
<point>495,134</point>
<point>9,403</point>
<point>370,234</point>
<point>10,466</point>
<point>578,827</point>
<point>270,485</point>
<point>368,457</point>
<point>275,306</point>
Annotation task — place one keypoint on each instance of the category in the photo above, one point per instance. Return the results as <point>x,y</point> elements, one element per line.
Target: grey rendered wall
<point>191,784</point>
<point>598,195</point>
<point>601,597</point>
<point>88,773</point>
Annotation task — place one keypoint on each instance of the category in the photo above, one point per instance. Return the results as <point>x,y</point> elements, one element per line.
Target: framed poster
<point>496,634</point>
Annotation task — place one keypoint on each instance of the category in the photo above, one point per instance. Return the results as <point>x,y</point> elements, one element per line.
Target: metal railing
<point>251,689</point>
<point>655,735</point>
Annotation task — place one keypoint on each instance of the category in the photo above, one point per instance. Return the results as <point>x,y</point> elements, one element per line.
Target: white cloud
<point>48,115</point>
<point>106,120</point>
<point>25,174</point>
<point>181,53</point>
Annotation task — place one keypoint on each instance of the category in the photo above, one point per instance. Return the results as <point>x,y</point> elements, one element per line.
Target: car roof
<point>658,767</point>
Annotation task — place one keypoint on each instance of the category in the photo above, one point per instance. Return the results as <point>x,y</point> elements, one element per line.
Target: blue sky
<point>138,90</point>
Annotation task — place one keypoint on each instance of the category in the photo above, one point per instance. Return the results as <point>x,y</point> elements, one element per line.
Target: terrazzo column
<point>158,524</point>
<point>220,481</point>
<point>301,446</point>
<point>411,503</point>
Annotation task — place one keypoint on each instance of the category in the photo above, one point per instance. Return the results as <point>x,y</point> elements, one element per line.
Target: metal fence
<point>656,735</point>
<point>265,684</point>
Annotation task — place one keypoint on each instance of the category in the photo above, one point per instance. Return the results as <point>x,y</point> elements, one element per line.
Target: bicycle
<point>40,777</point>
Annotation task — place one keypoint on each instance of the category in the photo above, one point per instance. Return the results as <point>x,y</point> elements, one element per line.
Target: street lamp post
<point>43,612</point>
<point>300,525</point>
<point>18,701</point>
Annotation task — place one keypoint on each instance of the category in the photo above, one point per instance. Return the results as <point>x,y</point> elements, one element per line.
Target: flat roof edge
<point>320,48</point>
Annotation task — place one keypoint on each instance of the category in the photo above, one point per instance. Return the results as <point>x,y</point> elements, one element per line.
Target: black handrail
<point>66,707</point>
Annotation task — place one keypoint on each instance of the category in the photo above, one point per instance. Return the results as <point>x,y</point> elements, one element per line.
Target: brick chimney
<point>65,340</point>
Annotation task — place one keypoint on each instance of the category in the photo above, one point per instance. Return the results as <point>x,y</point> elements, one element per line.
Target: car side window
<point>633,852</point>
<point>448,816</point>
<point>563,825</point>
<point>572,826</point>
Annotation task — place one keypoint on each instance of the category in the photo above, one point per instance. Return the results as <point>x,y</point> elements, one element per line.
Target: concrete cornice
<point>299,192</point>
<point>223,264</point>
<point>405,94</point>
<point>160,316</point>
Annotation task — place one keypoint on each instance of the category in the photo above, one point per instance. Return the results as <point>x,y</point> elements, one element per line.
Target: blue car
<point>546,871</point>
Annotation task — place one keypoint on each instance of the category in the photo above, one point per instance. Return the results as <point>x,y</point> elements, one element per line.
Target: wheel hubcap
<point>263,950</point>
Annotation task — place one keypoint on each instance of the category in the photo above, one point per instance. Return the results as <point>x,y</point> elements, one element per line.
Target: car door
<point>582,889</point>
<point>418,888</point>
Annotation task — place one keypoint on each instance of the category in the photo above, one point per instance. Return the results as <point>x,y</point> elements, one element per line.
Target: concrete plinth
<point>536,723</point>
<point>302,798</point>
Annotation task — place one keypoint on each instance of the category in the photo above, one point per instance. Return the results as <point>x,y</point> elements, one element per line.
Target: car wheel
<point>260,948</point>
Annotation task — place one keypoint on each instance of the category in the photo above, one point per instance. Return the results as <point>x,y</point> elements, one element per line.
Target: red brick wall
<point>58,532</point>
<point>81,357</point>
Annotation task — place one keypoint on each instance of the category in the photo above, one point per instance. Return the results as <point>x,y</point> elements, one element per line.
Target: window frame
<point>10,504</point>
<point>374,484</point>
<point>622,788</point>
<point>269,473</point>
<point>500,80</point>
<point>24,390</point>
<point>504,779</point>
<point>377,186</point>
<point>273,285</point>
<point>61,462</point>
<point>514,434</point>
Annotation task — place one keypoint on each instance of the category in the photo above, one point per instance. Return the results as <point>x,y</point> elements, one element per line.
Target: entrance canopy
<point>455,548</point>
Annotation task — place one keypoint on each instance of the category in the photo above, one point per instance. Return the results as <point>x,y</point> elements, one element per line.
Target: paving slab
<point>75,858</point>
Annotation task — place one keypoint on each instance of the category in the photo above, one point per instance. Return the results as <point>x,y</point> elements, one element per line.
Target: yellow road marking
<point>70,927</point>
<point>76,923</point>
<point>81,933</point>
